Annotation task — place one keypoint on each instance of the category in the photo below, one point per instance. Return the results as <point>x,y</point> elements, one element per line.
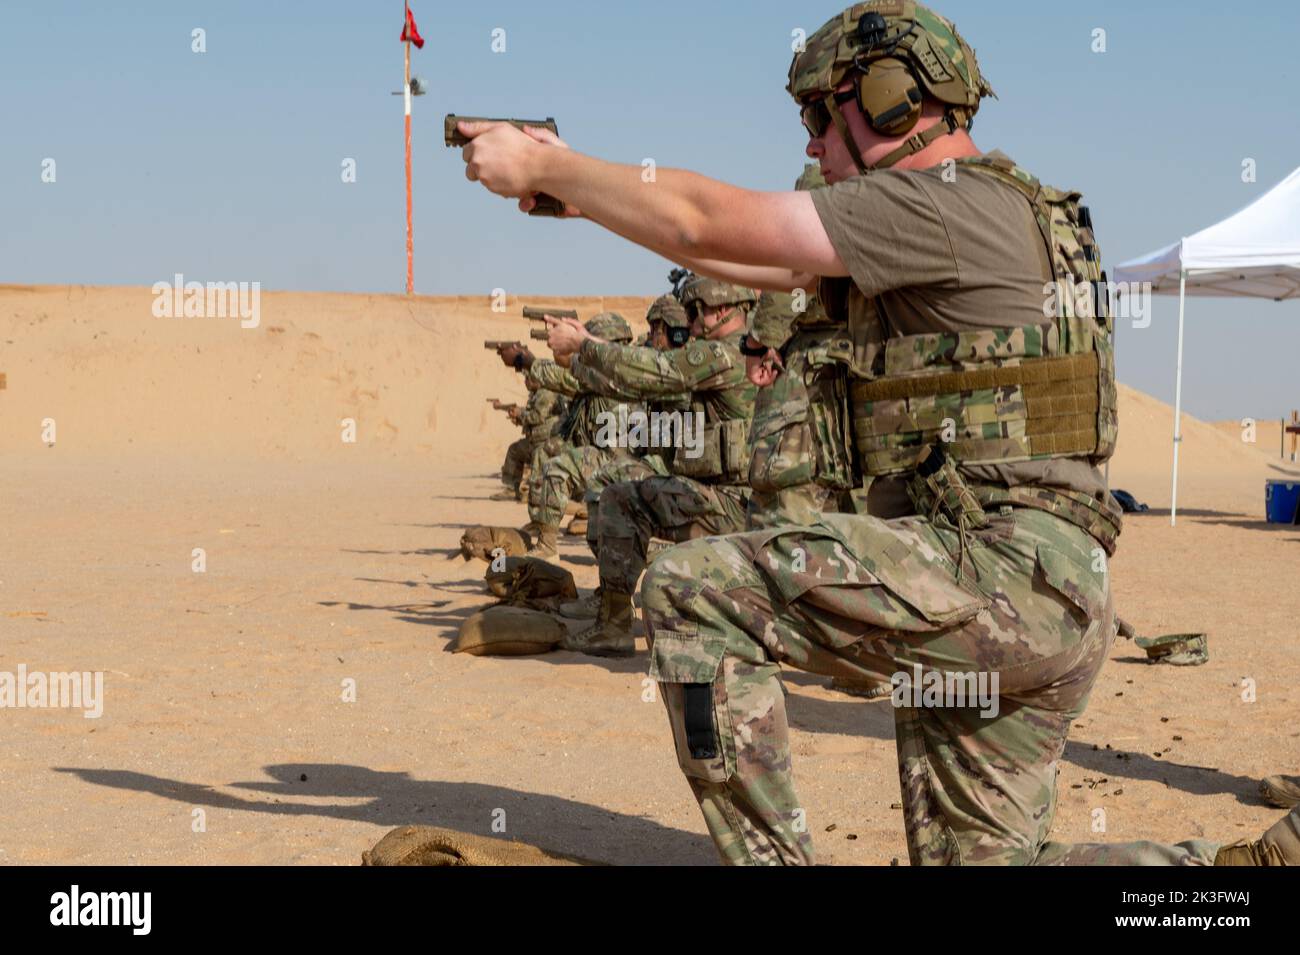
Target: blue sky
<point>226,165</point>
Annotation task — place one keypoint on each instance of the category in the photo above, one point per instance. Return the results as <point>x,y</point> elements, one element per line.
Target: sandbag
<point>531,582</point>
<point>1176,649</point>
<point>482,541</point>
<point>427,845</point>
<point>504,631</point>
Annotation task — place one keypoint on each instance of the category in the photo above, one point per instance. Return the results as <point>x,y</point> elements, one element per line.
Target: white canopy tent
<point>1252,254</point>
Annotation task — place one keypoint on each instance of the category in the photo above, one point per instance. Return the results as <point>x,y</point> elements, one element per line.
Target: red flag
<point>411,32</point>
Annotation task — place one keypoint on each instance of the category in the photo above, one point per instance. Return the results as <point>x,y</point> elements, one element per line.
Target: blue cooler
<point>1282,502</point>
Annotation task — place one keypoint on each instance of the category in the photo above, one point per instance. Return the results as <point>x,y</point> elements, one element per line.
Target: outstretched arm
<point>763,278</point>
<point>681,215</point>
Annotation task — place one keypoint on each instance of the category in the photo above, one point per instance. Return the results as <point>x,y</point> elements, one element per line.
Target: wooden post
<point>406,94</point>
<point>1295,433</point>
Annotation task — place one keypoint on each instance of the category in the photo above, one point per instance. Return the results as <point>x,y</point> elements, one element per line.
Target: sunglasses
<point>816,114</point>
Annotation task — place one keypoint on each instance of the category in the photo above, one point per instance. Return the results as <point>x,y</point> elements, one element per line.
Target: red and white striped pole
<point>406,95</point>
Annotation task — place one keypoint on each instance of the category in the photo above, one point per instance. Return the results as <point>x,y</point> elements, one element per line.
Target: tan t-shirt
<point>945,256</point>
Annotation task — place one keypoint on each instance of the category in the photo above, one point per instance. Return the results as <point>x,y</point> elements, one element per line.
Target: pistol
<point>539,335</point>
<point>541,314</point>
<point>498,346</point>
<point>452,136</point>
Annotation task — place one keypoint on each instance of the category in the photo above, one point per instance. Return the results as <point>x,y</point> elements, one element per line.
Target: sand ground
<point>328,562</point>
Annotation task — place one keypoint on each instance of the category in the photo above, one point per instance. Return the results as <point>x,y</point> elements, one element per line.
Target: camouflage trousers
<point>568,475</point>
<point>859,597</point>
<point>518,456</point>
<point>799,505</point>
<point>672,508</point>
<point>541,453</point>
<point>650,465</point>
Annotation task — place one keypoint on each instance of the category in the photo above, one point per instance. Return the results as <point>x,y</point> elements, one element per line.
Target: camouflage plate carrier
<point>859,405</point>
<point>1022,393</point>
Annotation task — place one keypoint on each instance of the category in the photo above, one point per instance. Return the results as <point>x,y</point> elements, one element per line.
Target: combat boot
<point>584,608</point>
<point>864,689</point>
<point>1281,791</point>
<point>505,494</point>
<point>611,634</point>
<point>1279,845</point>
<point>544,540</point>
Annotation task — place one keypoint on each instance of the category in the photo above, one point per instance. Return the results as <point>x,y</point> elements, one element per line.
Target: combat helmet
<point>668,310</point>
<point>896,52</point>
<point>811,178</point>
<point>610,327</point>
<point>773,323</point>
<point>712,293</point>
<point>777,313</point>
<point>715,294</point>
<point>672,314</point>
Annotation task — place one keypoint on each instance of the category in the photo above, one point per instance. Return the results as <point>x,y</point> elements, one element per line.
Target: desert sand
<point>328,561</point>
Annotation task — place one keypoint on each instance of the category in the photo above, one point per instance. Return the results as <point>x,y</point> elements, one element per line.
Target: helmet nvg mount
<point>894,53</point>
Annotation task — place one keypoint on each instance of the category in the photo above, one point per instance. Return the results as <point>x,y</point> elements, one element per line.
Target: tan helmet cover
<point>811,178</point>
<point>668,310</point>
<point>943,63</point>
<point>716,294</point>
<point>610,327</point>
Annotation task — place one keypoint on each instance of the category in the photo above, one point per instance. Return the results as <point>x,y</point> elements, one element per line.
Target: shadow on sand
<point>395,799</point>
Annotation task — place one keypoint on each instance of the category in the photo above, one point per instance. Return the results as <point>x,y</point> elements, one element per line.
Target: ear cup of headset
<point>889,97</point>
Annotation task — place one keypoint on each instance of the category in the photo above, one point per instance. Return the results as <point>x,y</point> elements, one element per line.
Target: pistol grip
<point>547,206</point>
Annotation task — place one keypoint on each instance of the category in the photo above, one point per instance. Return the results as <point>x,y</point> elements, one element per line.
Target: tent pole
<point>1178,395</point>
<point>1114,349</point>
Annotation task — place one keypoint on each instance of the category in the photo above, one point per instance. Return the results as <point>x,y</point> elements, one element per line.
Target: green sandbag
<point>504,631</point>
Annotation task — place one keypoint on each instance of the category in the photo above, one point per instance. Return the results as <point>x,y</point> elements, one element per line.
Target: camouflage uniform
<point>564,476</point>
<point>797,471</point>
<point>639,467</point>
<point>576,470</point>
<point>704,495</point>
<point>665,310</point>
<point>549,376</point>
<point>876,598</point>
<point>988,579</point>
<point>518,454</point>
<point>544,410</point>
